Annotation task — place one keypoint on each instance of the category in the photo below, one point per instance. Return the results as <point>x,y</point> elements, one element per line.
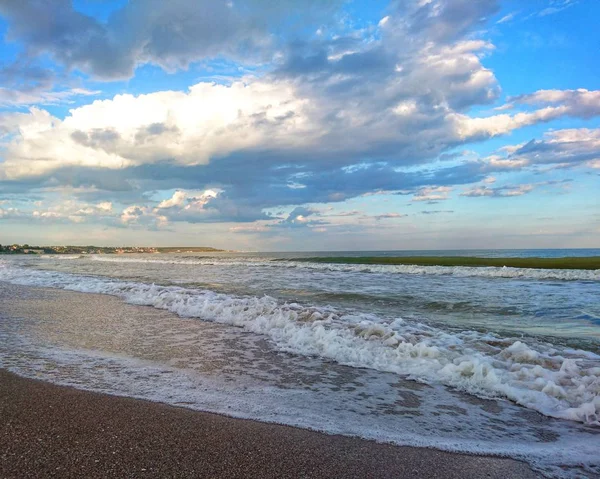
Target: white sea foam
<point>153,260</point>
<point>172,259</point>
<point>443,420</point>
<point>555,381</point>
<point>62,256</point>
<point>458,271</point>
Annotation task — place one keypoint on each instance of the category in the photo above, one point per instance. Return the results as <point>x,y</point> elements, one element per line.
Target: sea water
<point>485,360</point>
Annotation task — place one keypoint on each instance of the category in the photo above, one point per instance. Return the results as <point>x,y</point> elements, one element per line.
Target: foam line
<point>556,381</point>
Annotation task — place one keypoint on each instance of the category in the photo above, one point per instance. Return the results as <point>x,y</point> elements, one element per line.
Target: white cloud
<point>14,98</point>
<point>251,228</point>
<point>507,18</point>
<point>508,191</point>
<point>593,164</point>
<point>500,163</point>
<point>387,216</point>
<point>579,103</point>
<point>183,200</point>
<point>559,148</point>
<point>133,213</point>
<point>9,212</point>
<point>75,212</point>
<point>178,199</point>
<point>105,206</point>
<point>433,193</point>
<point>503,191</point>
<point>69,211</point>
<point>556,6</point>
<point>189,128</point>
<point>407,107</point>
<point>471,128</point>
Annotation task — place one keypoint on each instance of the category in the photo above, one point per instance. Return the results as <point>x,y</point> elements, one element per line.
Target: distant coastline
<point>28,249</point>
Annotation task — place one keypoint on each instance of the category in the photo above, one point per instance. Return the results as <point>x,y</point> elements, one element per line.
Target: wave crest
<point>555,381</point>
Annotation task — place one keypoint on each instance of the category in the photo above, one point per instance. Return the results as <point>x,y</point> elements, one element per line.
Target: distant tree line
<point>27,249</point>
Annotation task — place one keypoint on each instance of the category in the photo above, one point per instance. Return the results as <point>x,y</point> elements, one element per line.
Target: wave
<point>457,271</point>
<point>460,271</point>
<point>553,380</point>
<point>171,260</point>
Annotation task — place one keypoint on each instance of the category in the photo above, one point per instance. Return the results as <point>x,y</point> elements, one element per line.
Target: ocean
<point>486,360</point>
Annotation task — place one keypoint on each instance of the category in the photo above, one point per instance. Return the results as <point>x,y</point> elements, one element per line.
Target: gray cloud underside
<point>169,34</point>
<point>567,148</point>
<point>259,180</point>
<point>251,189</point>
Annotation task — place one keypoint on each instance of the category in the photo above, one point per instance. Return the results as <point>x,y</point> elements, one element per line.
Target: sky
<point>300,125</point>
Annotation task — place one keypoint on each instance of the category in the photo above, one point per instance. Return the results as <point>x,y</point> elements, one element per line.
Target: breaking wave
<point>556,381</point>
<point>458,271</point>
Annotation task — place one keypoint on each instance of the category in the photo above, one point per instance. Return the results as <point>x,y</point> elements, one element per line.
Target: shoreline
<point>52,430</point>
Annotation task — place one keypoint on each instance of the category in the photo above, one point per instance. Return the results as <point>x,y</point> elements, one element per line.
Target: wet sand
<point>54,431</point>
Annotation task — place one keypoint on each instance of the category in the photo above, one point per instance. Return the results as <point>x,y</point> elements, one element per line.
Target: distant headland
<point>28,249</point>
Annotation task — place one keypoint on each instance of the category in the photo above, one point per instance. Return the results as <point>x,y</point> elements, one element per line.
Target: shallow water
<point>329,348</point>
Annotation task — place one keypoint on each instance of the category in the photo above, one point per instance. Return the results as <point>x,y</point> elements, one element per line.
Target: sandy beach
<point>48,430</point>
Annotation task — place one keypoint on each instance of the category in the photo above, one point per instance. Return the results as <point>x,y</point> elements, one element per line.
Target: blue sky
<point>314,125</point>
